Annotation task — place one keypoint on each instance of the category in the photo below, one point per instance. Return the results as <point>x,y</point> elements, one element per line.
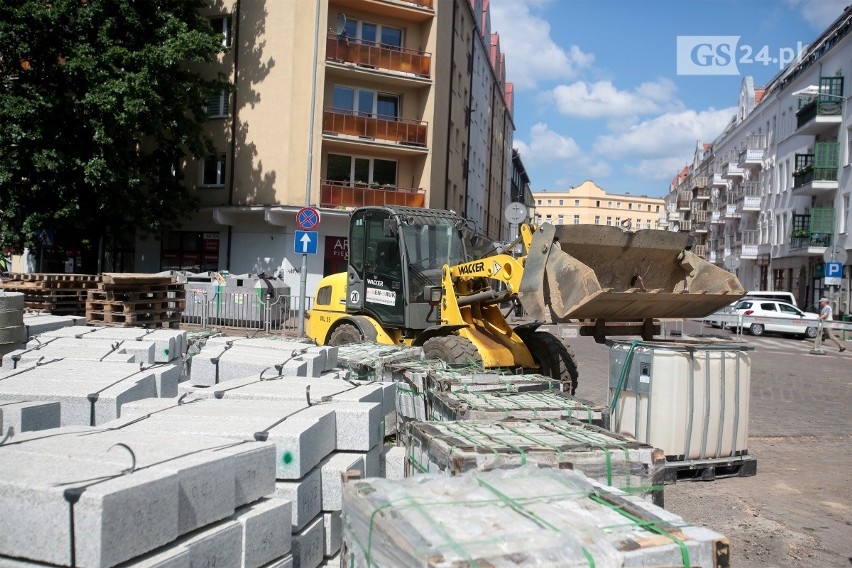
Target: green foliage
<point>101,104</point>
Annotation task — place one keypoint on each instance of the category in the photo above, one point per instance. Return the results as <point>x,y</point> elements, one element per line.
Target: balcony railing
<point>800,241</point>
<point>377,56</point>
<point>820,105</point>
<point>402,131</point>
<point>342,194</point>
<point>684,198</point>
<point>702,193</point>
<point>700,250</point>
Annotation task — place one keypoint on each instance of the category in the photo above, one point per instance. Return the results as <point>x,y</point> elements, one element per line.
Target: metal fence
<point>243,310</point>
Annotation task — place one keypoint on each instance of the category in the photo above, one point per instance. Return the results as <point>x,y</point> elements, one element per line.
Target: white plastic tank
<point>689,399</point>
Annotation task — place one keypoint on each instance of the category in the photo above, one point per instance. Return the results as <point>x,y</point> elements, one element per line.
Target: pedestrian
<point>825,314</point>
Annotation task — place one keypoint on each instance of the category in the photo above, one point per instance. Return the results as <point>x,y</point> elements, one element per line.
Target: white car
<point>779,317</point>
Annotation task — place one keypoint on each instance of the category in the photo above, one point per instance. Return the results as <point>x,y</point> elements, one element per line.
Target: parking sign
<point>833,273</point>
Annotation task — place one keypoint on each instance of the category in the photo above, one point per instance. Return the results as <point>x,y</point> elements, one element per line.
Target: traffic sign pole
<point>307,218</point>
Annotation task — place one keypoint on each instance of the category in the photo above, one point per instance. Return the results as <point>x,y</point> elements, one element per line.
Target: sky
<point>621,91</point>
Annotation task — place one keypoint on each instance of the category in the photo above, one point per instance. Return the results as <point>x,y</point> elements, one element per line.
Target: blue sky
<point>597,90</point>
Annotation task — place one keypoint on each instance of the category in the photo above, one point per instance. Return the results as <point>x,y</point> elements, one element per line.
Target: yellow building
<point>338,104</point>
<point>589,204</point>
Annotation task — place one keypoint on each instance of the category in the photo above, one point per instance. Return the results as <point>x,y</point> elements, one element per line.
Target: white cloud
<point>531,54</point>
<point>819,13</point>
<point>671,134</point>
<point>547,146</point>
<point>660,169</point>
<point>603,99</point>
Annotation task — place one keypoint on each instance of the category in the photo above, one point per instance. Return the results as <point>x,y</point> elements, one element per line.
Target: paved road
<point>797,510</point>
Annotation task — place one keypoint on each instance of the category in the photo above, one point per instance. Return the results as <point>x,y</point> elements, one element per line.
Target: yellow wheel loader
<point>417,277</point>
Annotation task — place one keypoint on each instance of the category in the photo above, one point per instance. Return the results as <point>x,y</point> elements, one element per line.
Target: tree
<point>101,104</point>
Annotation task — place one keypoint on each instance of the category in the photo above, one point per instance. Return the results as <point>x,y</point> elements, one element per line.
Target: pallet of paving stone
<point>456,447</point>
<point>709,469</point>
<point>520,517</point>
<point>372,361</point>
<point>490,405</point>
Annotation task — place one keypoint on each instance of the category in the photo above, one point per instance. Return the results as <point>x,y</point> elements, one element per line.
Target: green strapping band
<point>650,525</point>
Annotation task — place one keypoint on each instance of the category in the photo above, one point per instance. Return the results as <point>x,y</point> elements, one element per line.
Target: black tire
<point>453,350</point>
<point>756,329</point>
<point>556,360</point>
<point>344,334</point>
<point>811,333</point>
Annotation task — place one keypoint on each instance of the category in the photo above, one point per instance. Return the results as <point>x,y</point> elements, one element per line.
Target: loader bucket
<point>603,272</point>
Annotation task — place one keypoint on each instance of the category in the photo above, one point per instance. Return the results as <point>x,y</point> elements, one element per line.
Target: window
<point>561,202</point>
<point>609,221</point>
<point>649,207</point>
<point>844,215</point>
<point>360,170</point>
<point>658,209</point>
<point>560,220</point>
<point>373,34</point>
<point>630,206</point>
<point>216,106</point>
<point>576,219</point>
<point>576,203</point>
<point>618,204</point>
<point>609,204</point>
<point>324,296</point>
<point>222,24</point>
<point>617,221</point>
<point>213,171</point>
<point>539,201</point>
<point>597,218</point>
<point>188,250</point>
<point>365,102</point>
<point>549,201</point>
<point>598,203</point>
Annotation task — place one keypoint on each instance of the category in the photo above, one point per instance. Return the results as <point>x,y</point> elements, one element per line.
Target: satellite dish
<point>516,213</point>
<point>340,27</point>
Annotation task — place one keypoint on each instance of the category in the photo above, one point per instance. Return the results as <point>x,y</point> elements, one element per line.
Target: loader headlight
<point>435,296</point>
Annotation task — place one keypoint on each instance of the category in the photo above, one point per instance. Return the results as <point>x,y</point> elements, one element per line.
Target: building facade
<point>589,204</point>
<point>771,195</point>
<point>339,104</point>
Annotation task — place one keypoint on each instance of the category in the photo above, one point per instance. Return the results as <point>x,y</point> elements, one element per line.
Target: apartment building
<point>587,203</point>
<point>771,195</point>
<point>339,104</point>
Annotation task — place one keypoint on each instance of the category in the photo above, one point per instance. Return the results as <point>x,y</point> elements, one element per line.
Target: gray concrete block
<point>169,344</point>
<point>113,384</point>
<point>332,562</point>
<point>167,378</point>
<point>302,436</point>
<point>115,518</point>
<point>38,324</point>
<point>283,562</point>
<point>333,533</point>
<point>142,351</point>
<point>332,469</point>
<point>373,460</point>
<point>29,416</point>
<point>266,531</point>
<point>167,557</point>
<point>394,462</point>
<point>308,545</point>
<point>78,331</point>
<point>218,545</point>
<point>305,496</point>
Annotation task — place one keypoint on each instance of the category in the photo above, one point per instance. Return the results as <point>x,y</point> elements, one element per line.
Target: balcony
<point>716,217</point>
<point>718,180</point>
<point>731,211</point>
<point>702,193</point>
<point>751,155</point>
<point>733,171</point>
<point>369,55</point>
<point>337,194</point>
<point>750,196</point>
<point>673,216</point>
<point>812,233</point>
<point>684,200</point>
<point>700,250</point>
<point>374,128</point>
<point>749,244</point>
<point>413,10</point>
<point>817,173</point>
<point>820,114</point>
<point>699,182</point>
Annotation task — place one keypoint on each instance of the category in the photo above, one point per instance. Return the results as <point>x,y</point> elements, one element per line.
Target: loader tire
<point>555,358</point>
<point>345,334</point>
<point>453,350</point>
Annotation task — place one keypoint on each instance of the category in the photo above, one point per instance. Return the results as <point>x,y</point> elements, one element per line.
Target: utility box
<point>689,399</point>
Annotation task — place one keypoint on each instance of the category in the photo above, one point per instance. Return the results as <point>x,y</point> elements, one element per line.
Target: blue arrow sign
<point>305,242</point>
<point>833,270</point>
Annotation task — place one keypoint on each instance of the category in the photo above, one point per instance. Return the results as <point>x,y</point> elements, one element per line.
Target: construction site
<point>415,421</point>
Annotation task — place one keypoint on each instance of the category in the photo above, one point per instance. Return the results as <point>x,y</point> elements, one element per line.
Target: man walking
<point>825,314</point>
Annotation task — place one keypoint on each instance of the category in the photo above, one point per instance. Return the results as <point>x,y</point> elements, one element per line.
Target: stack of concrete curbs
<point>103,497</point>
<point>324,425</point>
<point>40,323</point>
<point>90,372</point>
<point>13,333</point>
<point>516,517</point>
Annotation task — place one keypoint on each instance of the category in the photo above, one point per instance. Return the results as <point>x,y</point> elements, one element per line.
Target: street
<point>797,510</point>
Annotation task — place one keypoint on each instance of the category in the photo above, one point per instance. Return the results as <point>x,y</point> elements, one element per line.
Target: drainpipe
<point>449,114</point>
<point>234,121</point>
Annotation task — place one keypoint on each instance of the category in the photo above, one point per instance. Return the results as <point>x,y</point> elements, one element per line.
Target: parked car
<point>718,318</point>
<point>786,318</point>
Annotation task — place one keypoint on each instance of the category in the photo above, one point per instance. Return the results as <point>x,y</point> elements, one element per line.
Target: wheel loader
<point>421,277</point>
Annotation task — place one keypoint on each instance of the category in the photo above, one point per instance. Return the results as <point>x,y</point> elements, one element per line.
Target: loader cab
<point>395,259</point>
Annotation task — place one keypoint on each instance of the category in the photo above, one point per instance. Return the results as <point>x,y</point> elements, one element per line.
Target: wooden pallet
<point>138,293</point>
<point>709,469</point>
<point>132,318</point>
